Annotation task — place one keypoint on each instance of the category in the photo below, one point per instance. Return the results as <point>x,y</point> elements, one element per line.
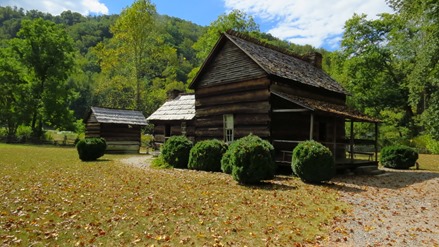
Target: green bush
<point>313,162</point>
<point>433,146</point>
<point>398,157</point>
<point>206,155</point>
<point>226,160</point>
<point>159,163</point>
<point>23,133</point>
<point>90,149</point>
<point>251,160</point>
<point>176,150</point>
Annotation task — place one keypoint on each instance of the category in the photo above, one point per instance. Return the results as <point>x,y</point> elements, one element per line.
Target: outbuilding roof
<point>118,116</point>
<point>180,108</point>
<point>277,62</point>
<point>330,108</point>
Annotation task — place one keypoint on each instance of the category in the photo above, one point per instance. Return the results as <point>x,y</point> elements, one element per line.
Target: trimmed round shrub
<point>206,155</point>
<point>226,160</point>
<point>251,160</point>
<point>176,150</point>
<point>312,162</point>
<point>398,157</point>
<point>90,149</point>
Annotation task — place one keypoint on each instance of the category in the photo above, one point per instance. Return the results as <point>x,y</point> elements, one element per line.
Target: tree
<point>390,65</point>
<point>13,91</point>
<point>420,45</point>
<point>136,31</point>
<point>235,20</point>
<point>46,51</point>
<point>368,68</point>
<point>135,59</point>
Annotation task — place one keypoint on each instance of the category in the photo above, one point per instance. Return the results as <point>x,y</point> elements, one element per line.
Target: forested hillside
<point>53,68</point>
<point>90,67</point>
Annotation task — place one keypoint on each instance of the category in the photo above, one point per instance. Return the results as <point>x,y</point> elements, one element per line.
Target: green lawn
<point>429,162</point>
<point>50,197</point>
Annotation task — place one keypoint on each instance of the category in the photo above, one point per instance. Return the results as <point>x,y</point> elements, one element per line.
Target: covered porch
<point>296,119</point>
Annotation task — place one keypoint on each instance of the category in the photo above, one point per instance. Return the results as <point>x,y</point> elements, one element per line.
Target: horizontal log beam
<point>259,107</point>
<point>233,98</point>
<point>232,87</point>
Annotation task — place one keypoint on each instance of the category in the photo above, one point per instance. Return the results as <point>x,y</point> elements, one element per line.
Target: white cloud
<point>315,22</point>
<point>56,7</point>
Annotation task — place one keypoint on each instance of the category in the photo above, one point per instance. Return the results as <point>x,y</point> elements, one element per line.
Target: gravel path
<point>397,208</point>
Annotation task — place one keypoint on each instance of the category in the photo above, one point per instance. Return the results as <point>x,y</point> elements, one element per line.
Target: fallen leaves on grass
<point>49,196</point>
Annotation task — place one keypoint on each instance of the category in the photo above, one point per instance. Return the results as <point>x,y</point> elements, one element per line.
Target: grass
<point>429,162</point>
<point>50,197</point>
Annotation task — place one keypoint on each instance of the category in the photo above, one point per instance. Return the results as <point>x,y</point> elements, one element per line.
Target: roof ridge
<point>266,45</point>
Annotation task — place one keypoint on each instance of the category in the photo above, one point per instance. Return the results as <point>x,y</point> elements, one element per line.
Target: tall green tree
<point>390,65</point>
<point>47,52</point>
<point>136,32</point>
<point>13,92</point>
<point>134,58</point>
<point>419,44</point>
<point>235,20</point>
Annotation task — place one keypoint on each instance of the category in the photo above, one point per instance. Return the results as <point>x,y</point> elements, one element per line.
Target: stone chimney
<point>315,58</point>
<point>172,94</point>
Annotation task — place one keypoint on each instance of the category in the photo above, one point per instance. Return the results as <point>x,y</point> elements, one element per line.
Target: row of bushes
<point>249,159</point>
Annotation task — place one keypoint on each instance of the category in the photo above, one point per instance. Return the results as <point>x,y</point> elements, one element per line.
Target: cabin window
<point>228,128</point>
<point>183,128</point>
<point>167,130</point>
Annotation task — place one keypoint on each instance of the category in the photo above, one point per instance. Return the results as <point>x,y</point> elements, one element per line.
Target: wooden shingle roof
<point>118,116</point>
<point>180,108</point>
<point>277,62</point>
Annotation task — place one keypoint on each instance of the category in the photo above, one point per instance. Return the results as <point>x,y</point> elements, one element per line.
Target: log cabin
<point>120,128</point>
<point>174,117</point>
<point>248,87</point>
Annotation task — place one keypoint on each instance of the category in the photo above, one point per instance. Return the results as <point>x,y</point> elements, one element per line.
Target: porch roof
<point>333,109</point>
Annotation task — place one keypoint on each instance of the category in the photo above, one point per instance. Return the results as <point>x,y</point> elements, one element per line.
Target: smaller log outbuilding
<point>175,117</point>
<point>120,128</point>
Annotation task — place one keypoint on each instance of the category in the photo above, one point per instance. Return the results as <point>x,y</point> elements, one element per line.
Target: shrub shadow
<point>269,185</point>
<point>391,179</point>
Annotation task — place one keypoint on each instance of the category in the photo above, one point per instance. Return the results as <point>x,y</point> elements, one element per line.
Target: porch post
<point>311,126</point>
<point>351,142</point>
<point>335,138</point>
<point>376,142</point>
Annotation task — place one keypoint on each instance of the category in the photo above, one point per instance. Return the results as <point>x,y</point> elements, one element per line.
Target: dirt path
<point>398,208</point>
<point>141,161</point>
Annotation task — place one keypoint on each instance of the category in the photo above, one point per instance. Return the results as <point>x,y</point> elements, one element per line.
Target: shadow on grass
<point>391,179</point>
<point>98,160</point>
<point>271,186</point>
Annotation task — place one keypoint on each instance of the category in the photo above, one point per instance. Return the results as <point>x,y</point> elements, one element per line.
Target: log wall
<point>120,138</point>
<point>248,101</point>
<point>231,64</point>
<point>175,129</point>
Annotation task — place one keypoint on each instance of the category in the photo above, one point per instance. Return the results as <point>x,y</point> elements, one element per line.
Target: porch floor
<point>340,163</point>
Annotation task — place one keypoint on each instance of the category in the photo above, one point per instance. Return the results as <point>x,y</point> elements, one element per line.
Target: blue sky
<point>201,12</point>
<point>315,22</point>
